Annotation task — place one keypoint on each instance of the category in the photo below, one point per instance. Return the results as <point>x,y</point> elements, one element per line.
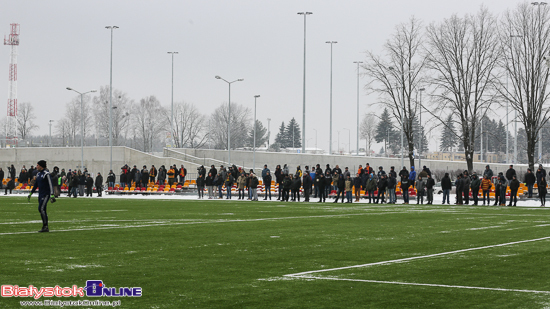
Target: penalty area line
<point>416,257</point>
<point>423,284</point>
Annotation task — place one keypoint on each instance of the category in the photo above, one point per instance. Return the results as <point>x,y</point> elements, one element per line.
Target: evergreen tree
<point>261,135</point>
<point>293,134</point>
<point>281,138</point>
<point>418,130</point>
<point>448,138</point>
<point>386,132</point>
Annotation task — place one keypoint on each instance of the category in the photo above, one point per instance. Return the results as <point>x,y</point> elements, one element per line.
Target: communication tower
<point>11,124</point>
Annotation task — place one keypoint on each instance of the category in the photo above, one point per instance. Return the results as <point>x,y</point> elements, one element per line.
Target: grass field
<point>231,254</point>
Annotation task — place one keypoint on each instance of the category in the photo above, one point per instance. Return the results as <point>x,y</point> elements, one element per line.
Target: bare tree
<point>62,128</point>
<point>149,122</point>
<point>188,126</point>
<point>463,56</point>
<point>79,116</point>
<point>525,37</point>
<point>240,124</point>
<point>25,120</point>
<point>397,77</point>
<point>121,115</point>
<point>367,130</point>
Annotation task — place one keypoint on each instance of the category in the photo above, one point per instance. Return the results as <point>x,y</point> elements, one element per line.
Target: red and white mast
<point>11,123</point>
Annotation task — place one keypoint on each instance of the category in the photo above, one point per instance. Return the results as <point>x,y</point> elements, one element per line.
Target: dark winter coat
<point>430,183</point>
<point>476,183</point>
<point>542,188</point>
<point>541,173</point>
<point>446,183</point>
<point>98,181</point>
<point>514,185</point>
<point>254,182</point>
<point>404,174</point>
<point>392,182</point>
<point>341,182</point>
<point>510,173</point>
<point>382,184</point>
<point>529,178</point>
<point>488,172</point>
<point>357,182</point>
<point>267,180</point>
<point>287,183</point>
<point>296,183</point>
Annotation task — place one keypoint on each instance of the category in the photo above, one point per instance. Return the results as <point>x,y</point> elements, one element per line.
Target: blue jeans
<point>348,196</point>
<point>391,195</point>
<point>228,192</point>
<point>503,195</point>
<point>220,192</point>
<point>111,184</point>
<point>446,194</point>
<point>530,189</point>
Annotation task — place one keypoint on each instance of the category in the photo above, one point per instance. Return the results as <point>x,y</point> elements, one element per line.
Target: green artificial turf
<point>235,254</point>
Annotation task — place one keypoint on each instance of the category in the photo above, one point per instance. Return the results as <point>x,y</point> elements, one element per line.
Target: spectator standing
<point>392,183</point>
<point>514,186</point>
<point>162,175</point>
<point>306,184</point>
<point>420,190</point>
<point>267,184</point>
<point>340,186</point>
<point>430,183</point>
<point>241,183</point>
<point>111,178</point>
<point>488,172</point>
<point>382,185</point>
<point>279,177</point>
<point>357,182</point>
<point>476,183</point>
<point>144,176</point>
<point>510,173</point>
<point>459,188</point>
<point>99,184</point>
<point>229,181</point>
<point>254,186</point>
<point>370,187</point>
<point>89,185</point>
<point>152,174</point>
<point>486,186</point>
<point>446,186</point>
<point>320,183</point>
<point>529,180</point>
<point>182,172</point>
<point>200,185</point>
<point>542,191</point>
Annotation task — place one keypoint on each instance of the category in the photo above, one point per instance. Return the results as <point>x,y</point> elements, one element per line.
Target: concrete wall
<point>245,158</point>
<point>96,159</point>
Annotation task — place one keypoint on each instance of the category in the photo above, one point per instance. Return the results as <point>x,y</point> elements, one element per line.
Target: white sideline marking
<point>426,284</point>
<point>415,257</point>
<point>197,222</point>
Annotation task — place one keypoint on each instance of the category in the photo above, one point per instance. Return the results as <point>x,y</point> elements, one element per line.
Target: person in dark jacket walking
<point>514,186</point>
<point>99,184</point>
<point>287,186</point>
<point>529,180</point>
<point>540,173</point>
<point>446,186</point>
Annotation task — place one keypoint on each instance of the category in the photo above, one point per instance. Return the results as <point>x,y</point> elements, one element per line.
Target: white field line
<point>415,257</point>
<point>426,284</point>
<point>198,222</point>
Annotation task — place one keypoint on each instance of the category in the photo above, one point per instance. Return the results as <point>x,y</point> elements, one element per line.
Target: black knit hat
<point>42,163</point>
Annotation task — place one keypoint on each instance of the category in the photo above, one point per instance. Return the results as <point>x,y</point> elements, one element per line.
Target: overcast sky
<point>65,44</point>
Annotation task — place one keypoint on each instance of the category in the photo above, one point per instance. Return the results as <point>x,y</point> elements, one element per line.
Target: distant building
<point>460,156</point>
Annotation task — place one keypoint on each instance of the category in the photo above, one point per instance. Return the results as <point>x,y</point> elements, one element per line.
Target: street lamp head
<point>69,88</point>
<point>111,27</point>
<point>257,96</point>
<point>217,77</point>
<point>93,90</point>
<point>305,13</point>
<point>422,89</point>
<point>240,79</point>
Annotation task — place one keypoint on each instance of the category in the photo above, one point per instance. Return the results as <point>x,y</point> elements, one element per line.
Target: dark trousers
<point>530,190</point>
<point>152,179</point>
<point>486,193</point>
<point>307,192</point>
<point>475,194</point>
<point>514,197</point>
<point>430,196</point>
<point>98,189</point>
<point>340,192</point>
<point>296,194</point>
<point>381,193</point>
<point>466,196</point>
<point>241,191</point>
<point>42,205</point>
<point>286,194</point>
<point>502,195</point>
<point>370,194</point>
<point>459,197</point>
<point>267,192</point>
<point>322,196</point>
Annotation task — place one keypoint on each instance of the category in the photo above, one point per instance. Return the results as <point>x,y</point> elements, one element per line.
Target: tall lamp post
<point>421,129</point>
<point>50,123</point>
<point>268,132</point>
<point>330,135</point>
<point>358,63</point>
<point>111,99</point>
<point>254,151</point>
<point>349,140</point>
<point>402,118</point>
<point>315,140</point>
<point>81,124</point>
<point>304,94</point>
<point>172,109</point>
<point>229,118</point>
